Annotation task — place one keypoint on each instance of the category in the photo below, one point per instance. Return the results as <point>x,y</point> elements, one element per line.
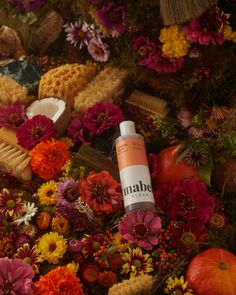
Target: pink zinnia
<point>38,128</point>
<point>102,117</point>
<point>12,115</point>
<point>142,228</point>
<point>144,47</point>
<point>98,50</point>
<point>77,131</point>
<point>15,277</point>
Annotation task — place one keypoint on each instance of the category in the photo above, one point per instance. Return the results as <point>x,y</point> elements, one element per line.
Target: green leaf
<point>205,173</point>
<point>233,154</point>
<point>184,153</point>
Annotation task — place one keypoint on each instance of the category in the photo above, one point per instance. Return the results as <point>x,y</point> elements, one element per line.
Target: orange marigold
<point>47,158</point>
<point>59,281</point>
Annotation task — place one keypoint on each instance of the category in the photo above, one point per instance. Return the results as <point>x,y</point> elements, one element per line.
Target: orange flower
<point>59,281</point>
<point>47,158</point>
<point>107,279</point>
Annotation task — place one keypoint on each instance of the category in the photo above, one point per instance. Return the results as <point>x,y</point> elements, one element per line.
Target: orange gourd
<point>212,272</point>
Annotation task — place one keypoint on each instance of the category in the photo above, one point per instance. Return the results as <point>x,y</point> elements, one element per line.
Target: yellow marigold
<point>177,286</point>
<point>175,44</point>
<point>60,225</point>
<point>52,247</point>
<point>47,193</point>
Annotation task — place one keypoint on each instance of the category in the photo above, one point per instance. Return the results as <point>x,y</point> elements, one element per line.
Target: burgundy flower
<point>28,5</point>
<point>77,131</point>
<point>144,47</point>
<point>112,17</point>
<point>93,243</point>
<point>101,117</point>
<point>12,115</point>
<point>38,128</point>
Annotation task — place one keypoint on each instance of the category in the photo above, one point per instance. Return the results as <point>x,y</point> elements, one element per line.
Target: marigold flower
<point>43,220</point>
<point>107,278</point>
<point>60,225</point>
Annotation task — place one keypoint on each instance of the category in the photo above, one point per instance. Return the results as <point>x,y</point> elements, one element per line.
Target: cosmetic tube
<point>133,167</point>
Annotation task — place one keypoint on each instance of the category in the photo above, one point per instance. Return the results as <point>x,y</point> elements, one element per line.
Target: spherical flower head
<point>12,115</point>
<point>43,220</point>
<point>47,158</point>
<point>102,117</point>
<point>144,48</point>
<point>177,286</point>
<point>136,263</point>
<point>75,246</point>
<point>47,193</point>
<point>68,190</point>
<point>28,255</point>
<point>112,18</point>
<point>218,220</point>
<point>98,50</point>
<point>27,5</point>
<point>141,227</point>
<point>190,200</point>
<point>77,131</point>
<point>61,281</point>
<point>78,33</point>
<point>15,277</point>
<point>38,128</point>
<point>60,224</point>
<point>52,247</point>
<point>107,278</point>
<point>101,192</point>
<point>11,204</point>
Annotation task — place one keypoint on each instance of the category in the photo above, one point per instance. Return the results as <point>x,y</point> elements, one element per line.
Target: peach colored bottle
<point>133,167</point>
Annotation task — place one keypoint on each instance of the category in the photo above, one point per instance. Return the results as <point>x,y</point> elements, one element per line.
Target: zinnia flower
<point>101,192</point>
<point>141,227</point>
<point>27,5</point>
<point>12,115</point>
<point>98,50</point>
<point>78,33</point>
<point>59,281</point>
<point>38,128</point>
<point>10,203</point>
<point>47,158</point>
<point>144,47</point>
<point>52,247</point>
<point>28,256</point>
<point>15,277</point>
<point>102,116</point>
<point>68,190</point>
<point>77,131</point>
<point>177,286</point>
<point>47,193</point>
<point>136,263</point>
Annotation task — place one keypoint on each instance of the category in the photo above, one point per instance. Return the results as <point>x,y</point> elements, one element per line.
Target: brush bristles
<point>147,104</point>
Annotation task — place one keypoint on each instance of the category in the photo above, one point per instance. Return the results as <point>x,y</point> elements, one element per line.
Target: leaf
<point>184,153</point>
<point>205,173</point>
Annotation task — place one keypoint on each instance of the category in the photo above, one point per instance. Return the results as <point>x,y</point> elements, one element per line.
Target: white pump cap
<point>127,128</point>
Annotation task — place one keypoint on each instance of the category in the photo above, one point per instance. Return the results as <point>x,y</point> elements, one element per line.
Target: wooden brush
<point>147,104</point>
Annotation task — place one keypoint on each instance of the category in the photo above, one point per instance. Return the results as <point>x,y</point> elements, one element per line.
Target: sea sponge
<point>109,84</point>
<point>11,91</point>
<point>65,81</point>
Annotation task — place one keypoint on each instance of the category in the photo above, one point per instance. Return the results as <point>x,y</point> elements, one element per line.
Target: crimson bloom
<point>144,47</point>
<point>12,115</point>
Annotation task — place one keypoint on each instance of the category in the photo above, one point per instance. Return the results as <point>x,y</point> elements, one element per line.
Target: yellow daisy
<point>137,263</point>
<point>52,247</point>
<point>177,287</point>
<point>47,193</point>
<point>121,243</point>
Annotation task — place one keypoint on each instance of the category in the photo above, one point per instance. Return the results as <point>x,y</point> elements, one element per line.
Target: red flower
<point>12,115</point>
<point>144,47</point>
<point>76,130</point>
<point>93,244</point>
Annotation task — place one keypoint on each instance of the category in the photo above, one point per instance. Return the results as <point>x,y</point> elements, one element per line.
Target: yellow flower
<point>52,247</point>
<point>73,266</point>
<point>47,193</point>
<point>121,243</point>
<point>177,286</point>
<point>137,263</point>
<point>68,141</point>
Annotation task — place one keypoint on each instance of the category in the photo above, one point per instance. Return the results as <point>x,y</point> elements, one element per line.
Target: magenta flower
<point>68,190</point>
<point>77,131</point>
<point>101,117</point>
<point>98,50</point>
<point>144,47</point>
<point>28,5</point>
<point>112,17</point>
<point>38,128</point>
<point>206,28</point>
<point>12,115</point>
<point>141,227</point>
<point>15,277</point>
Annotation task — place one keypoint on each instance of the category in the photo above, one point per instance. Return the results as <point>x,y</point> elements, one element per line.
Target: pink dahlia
<point>38,128</point>
<point>101,117</point>
<point>12,115</point>
<point>144,47</point>
<point>15,277</point>
<point>142,228</point>
<point>98,50</point>
<point>206,29</point>
<point>27,5</point>
<point>190,200</point>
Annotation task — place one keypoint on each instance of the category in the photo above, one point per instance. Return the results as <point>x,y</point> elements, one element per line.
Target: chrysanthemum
<point>60,225</point>
<point>11,204</point>
<point>177,286</point>
<point>29,256</point>
<point>15,277</point>
<point>101,192</point>
<point>47,158</point>
<point>28,210</point>
<point>12,115</point>
<point>136,263</point>
<point>38,128</point>
<point>47,193</point>
<point>102,117</point>
<point>59,281</point>
<point>68,190</point>
<point>78,33</point>
<point>141,227</point>
<point>98,50</point>
<point>52,247</point>
<point>27,5</point>
<point>93,243</point>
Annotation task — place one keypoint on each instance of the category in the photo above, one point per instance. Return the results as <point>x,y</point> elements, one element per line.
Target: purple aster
<point>31,132</point>
<point>78,33</point>
<point>15,277</point>
<point>98,50</point>
<point>112,17</point>
<point>27,5</point>
<point>67,190</point>
<point>12,115</point>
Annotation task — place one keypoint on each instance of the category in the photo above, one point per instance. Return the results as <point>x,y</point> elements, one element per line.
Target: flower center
<point>27,260</point>
<point>188,205</point>
<point>8,287</point>
<point>178,292</point>
<point>70,194</point>
<point>11,203</point>
<point>100,194</point>
<point>137,263</point>
<point>188,239</point>
<point>102,117</point>
<point>81,35</point>
<point>36,133</point>
<point>140,230</point>
<point>15,119</point>
<point>96,245</point>
<point>142,51</point>
<point>52,247</point>
<point>49,193</point>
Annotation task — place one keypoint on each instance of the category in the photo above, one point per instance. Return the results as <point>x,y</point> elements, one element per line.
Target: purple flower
<point>77,131</point>
<point>12,115</point>
<point>68,190</point>
<point>112,17</point>
<point>102,116</point>
<point>98,50</point>
<point>27,5</point>
<point>15,277</point>
<point>144,47</point>
<point>38,128</point>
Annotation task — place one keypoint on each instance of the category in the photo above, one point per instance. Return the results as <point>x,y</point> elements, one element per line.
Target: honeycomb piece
<point>11,91</point>
<point>109,84</point>
<point>66,81</point>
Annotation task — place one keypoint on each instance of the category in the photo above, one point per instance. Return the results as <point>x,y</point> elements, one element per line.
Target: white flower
<point>29,211</point>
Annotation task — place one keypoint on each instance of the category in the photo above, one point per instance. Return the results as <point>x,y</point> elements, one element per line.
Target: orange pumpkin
<point>212,272</point>
<point>168,171</point>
